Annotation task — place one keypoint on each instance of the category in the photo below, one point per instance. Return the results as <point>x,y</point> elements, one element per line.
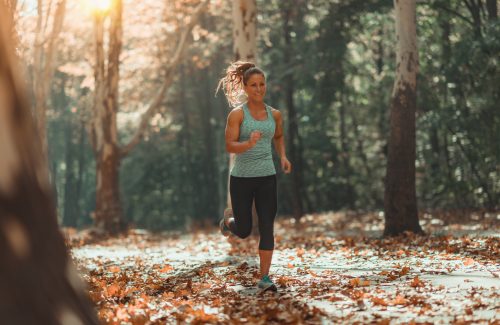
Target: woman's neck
<point>255,105</point>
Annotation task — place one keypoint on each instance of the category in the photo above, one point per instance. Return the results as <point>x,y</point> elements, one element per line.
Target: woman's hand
<point>286,166</point>
<point>254,137</point>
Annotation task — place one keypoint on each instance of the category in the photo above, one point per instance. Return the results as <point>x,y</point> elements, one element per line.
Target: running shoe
<point>224,229</point>
<point>267,284</point>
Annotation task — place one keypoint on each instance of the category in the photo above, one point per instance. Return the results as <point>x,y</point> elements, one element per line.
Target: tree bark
<point>103,126</point>
<point>44,64</point>
<point>293,129</point>
<point>474,7</point>
<point>39,282</point>
<point>245,30</point>
<point>400,202</point>
<point>244,13</point>
<point>492,7</point>
<point>244,43</point>
<point>108,211</point>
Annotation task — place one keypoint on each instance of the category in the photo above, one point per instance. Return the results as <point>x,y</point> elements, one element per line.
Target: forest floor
<point>329,268</point>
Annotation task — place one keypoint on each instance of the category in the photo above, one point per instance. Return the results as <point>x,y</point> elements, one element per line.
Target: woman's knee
<point>244,233</point>
<point>266,242</point>
<point>243,230</point>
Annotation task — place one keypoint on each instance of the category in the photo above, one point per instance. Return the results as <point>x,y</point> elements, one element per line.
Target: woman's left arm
<point>279,142</point>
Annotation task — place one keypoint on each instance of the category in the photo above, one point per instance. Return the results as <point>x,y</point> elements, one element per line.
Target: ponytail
<point>237,75</point>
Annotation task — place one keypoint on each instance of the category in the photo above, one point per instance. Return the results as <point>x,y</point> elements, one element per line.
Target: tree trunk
<point>474,7</point>
<point>39,282</point>
<point>244,42</point>
<point>70,216</point>
<point>244,49</point>
<point>81,169</point>
<point>108,211</point>
<point>400,202</point>
<point>185,148</point>
<point>492,7</point>
<point>245,30</point>
<point>44,64</point>
<point>103,125</point>
<point>293,129</point>
<point>11,7</point>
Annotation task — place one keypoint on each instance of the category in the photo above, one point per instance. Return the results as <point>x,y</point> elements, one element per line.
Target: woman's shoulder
<point>276,113</point>
<point>237,110</point>
<point>236,113</point>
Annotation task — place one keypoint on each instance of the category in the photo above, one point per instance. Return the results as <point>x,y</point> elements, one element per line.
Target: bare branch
<point>168,79</point>
<point>449,10</point>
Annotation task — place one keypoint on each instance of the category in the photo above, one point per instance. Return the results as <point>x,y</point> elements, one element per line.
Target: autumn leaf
<point>416,282</point>
<point>166,268</point>
<point>399,300</point>
<point>112,290</point>
<point>404,271</point>
<point>114,269</point>
<point>468,261</point>
<point>378,301</point>
<point>357,282</point>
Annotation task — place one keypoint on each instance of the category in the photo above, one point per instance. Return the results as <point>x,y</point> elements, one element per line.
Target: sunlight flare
<point>98,5</point>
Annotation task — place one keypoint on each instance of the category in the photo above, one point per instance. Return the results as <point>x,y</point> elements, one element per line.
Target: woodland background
<point>330,67</point>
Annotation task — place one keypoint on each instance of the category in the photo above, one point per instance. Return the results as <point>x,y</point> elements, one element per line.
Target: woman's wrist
<point>249,144</point>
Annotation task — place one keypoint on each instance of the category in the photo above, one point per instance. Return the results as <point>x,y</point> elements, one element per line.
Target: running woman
<point>250,129</point>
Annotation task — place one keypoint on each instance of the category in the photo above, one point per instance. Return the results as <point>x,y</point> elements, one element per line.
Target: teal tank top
<point>257,161</point>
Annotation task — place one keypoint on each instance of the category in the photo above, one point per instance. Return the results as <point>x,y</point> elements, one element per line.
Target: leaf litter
<point>329,268</point>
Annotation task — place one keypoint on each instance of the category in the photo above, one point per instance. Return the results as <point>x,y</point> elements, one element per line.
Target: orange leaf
<point>112,290</point>
<point>354,282</point>
<point>468,261</point>
<point>166,268</point>
<point>399,300</point>
<point>416,282</point>
<point>357,282</point>
<point>379,301</point>
<point>290,266</point>
<point>114,269</point>
<point>404,270</point>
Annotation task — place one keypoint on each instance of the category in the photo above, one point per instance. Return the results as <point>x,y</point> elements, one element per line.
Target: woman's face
<point>256,87</point>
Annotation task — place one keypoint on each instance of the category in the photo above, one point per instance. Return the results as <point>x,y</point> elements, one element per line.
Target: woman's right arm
<point>234,120</point>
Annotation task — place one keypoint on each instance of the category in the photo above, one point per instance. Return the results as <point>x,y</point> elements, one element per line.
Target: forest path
<point>325,274</point>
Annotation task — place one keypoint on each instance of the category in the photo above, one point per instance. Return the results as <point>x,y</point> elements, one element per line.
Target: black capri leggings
<point>243,191</point>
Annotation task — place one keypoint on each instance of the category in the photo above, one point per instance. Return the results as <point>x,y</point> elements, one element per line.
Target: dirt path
<point>324,274</point>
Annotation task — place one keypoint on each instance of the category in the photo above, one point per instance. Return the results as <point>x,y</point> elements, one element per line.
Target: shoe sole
<point>224,233</point>
<point>272,287</point>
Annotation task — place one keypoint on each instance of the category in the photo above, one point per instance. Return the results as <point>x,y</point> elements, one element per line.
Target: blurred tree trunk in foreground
<point>400,201</point>
<point>38,282</point>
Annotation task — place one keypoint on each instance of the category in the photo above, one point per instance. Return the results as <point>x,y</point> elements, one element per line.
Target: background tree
<point>244,22</point>
<point>44,62</point>
<point>343,65</point>
<point>400,201</point>
<point>103,127</point>
<point>38,283</point>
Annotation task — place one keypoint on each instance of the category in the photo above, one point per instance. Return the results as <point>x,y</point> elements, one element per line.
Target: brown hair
<point>237,75</point>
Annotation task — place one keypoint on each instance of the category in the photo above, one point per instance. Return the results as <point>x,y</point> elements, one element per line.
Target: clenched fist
<point>254,137</point>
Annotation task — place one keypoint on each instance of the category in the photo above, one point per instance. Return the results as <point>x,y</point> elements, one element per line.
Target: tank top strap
<point>245,110</point>
<point>269,113</point>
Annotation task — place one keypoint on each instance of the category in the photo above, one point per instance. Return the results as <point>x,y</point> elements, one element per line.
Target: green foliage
<point>342,62</point>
